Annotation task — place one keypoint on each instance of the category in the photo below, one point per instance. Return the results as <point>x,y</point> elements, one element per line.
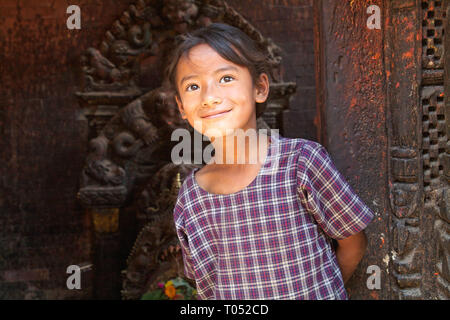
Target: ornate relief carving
<point>405,193</point>
<point>440,164</point>
<point>415,225</point>
<point>156,255</point>
<point>418,180</point>
<point>142,37</point>
<point>404,199</point>
<point>433,21</point>
<point>131,118</point>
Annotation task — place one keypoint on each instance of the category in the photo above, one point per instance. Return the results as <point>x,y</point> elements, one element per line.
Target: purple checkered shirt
<point>272,239</point>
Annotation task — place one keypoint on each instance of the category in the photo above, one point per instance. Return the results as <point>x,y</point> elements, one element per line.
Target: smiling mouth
<point>217,115</point>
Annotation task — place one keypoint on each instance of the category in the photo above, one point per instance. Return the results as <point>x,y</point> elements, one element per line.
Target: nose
<point>211,96</point>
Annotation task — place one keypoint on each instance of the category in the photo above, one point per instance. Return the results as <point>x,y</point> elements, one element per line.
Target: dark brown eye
<point>192,87</point>
<point>226,79</point>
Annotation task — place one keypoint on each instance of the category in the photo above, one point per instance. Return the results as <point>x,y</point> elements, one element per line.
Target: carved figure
<point>180,11</point>
<point>101,67</point>
<point>104,172</point>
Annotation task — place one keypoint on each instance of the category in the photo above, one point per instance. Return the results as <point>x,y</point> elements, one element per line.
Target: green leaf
<point>179,282</point>
<point>153,295</point>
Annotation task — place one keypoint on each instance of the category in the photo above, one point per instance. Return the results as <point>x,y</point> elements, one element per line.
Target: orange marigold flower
<point>170,291</point>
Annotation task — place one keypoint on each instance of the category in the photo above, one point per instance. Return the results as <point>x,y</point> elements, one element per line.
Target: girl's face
<point>216,95</point>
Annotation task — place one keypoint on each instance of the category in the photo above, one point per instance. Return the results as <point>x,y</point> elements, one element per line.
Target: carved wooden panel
<point>440,156</point>
<point>127,109</point>
<point>352,106</point>
<point>405,192</point>
<point>413,96</point>
<point>418,137</point>
<point>132,116</point>
<point>434,143</point>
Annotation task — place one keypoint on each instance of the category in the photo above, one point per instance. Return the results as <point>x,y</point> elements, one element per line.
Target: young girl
<point>257,230</point>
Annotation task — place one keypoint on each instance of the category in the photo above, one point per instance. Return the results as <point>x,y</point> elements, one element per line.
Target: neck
<point>240,149</point>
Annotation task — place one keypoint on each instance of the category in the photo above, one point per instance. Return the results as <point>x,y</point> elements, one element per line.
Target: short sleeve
<point>182,237</point>
<point>327,196</point>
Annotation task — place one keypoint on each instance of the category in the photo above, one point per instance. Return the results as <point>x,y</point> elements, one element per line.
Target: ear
<point>180,106</point>
<point>262,88</point>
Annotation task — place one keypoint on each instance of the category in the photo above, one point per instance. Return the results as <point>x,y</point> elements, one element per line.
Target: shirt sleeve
<point>182,237</point>
<point>327,196</point>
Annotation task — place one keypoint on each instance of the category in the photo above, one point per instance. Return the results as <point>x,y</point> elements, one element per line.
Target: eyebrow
<point>228,68</point>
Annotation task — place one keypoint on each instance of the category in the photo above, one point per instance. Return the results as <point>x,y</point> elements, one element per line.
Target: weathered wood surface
<point>386,125</point>
<point>353,120</point>
<point>44,137</point>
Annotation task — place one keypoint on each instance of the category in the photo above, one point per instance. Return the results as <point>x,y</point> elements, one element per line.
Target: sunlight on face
<point>216,95</point>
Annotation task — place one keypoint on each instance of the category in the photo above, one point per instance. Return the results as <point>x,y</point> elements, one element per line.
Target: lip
<point>216,114</point>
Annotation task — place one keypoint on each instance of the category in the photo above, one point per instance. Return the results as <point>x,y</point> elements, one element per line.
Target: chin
<point>221,127</point>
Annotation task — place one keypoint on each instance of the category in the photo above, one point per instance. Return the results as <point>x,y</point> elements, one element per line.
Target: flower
<point>170,291</point>
<point>174,289</point>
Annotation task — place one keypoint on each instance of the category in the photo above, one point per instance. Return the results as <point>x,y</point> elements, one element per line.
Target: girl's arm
<point>350,252</point>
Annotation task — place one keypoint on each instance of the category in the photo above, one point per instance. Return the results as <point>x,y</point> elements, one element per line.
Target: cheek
<point>242,93</point>
<point>244,99</point>
<point>188,101</point>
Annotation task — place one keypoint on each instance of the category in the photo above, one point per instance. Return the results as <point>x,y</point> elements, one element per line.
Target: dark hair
<point>229,42</point>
